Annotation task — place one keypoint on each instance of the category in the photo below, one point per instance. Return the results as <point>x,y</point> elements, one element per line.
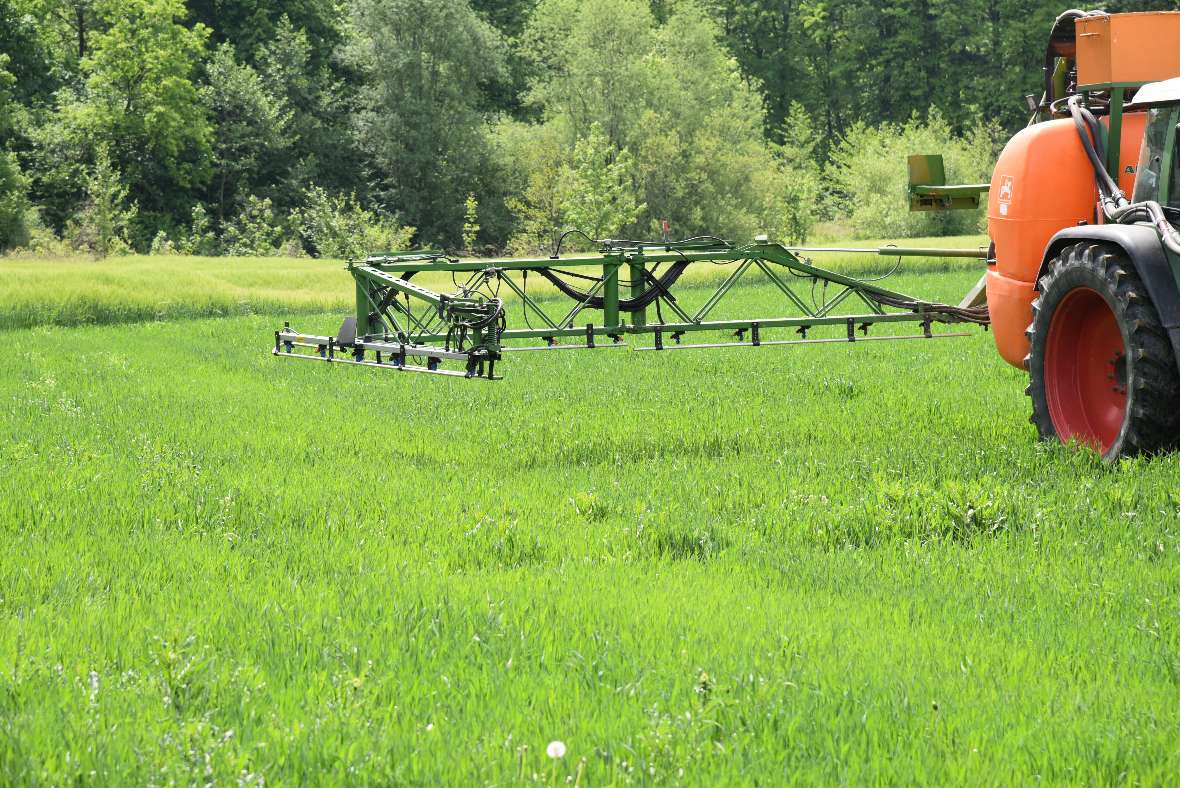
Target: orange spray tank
<point>1042,183</point>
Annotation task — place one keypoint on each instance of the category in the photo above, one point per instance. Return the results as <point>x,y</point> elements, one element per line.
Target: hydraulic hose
<point>1115,205</point>
<point>974,314</point>
<point>654,291</point>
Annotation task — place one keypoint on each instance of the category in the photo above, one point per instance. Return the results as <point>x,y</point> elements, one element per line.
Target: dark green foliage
<point>14,204</point>
<point>139,99</point>
<point>511,19</point>
<point>252,130</point>
<point>883,60</point>
<point>405,108</point>
<point>14,201</point>
<point>319,148</point>
<point>28,55</point>
<point>423,106</point>
<point>252,24</point>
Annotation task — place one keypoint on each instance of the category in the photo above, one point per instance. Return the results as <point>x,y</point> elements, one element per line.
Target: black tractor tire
<point>1101,367</point>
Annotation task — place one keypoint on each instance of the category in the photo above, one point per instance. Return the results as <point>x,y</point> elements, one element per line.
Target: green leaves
<point>252,126</point>
<point>140,101</point>
<point>675,129</point>
<point>140,88</point>
<point>598,194</point>
<point>7,80</point>
<point>339,227</point>
<point>102,225</point>
<point>422,116</point>
<point>14,203</point>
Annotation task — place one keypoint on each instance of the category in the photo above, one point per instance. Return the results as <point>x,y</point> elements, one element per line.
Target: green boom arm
<point>405,325</point>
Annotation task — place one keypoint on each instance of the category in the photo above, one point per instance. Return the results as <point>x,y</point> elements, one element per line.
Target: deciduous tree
<point>423,119</point>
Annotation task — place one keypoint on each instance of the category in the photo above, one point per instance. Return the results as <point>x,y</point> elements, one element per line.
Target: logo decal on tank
<point>1007,186</point>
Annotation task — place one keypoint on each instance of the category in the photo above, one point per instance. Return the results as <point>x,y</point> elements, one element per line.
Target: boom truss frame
<point>401,325</point>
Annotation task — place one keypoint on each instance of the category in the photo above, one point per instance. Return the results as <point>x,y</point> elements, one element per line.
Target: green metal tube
<point>362,309</point>
<point>610,293</point>
<point>895,251</point>
<point>1114,135</point>
<point>638,316</point>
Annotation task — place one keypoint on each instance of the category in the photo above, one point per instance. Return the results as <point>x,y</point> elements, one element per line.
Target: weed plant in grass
<point>815,564</point>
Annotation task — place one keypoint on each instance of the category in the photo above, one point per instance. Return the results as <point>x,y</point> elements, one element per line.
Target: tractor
<point>1081,282</point>
<point>1080,286</point>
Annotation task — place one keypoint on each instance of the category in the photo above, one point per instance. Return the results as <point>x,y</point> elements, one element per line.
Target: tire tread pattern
<point>1153,383</point>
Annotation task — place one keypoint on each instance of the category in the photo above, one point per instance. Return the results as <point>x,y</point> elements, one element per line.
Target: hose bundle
<point>656,289</point>
<point>972,314</point>
<point>1115,205</point>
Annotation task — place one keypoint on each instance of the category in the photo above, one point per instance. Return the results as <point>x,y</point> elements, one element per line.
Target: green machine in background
<point>609,296</point>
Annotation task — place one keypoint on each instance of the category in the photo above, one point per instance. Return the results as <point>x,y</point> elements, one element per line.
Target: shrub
<point>201,240</point>
<point>14,204</point>
<point>255,232</point>
<point>163,245</point>
<point>470,221</point>
<point>801,195</point>
<point>599,196</point>
<point>868,176</point>
<point>101,226</point>
<point>338,226</point>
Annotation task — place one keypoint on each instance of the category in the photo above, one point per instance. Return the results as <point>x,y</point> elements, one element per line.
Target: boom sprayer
<point>1082,281</point>
<point>400,325</point>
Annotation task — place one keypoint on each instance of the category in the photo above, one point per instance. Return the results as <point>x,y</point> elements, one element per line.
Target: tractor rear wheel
<point>1101,369</point>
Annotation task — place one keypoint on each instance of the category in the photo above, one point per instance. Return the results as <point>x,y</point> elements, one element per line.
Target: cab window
<point>1151,155</point>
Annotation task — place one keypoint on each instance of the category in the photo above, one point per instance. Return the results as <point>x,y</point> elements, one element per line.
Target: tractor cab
<point>1158,173</point>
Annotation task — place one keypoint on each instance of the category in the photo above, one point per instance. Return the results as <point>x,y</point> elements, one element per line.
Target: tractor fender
<point>1143,248</point>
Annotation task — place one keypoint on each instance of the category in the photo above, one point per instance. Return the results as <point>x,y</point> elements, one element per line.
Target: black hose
<point>942,312</point>
<point>1086,124</point>
<point>1115,206</point>
<point>655,290</point>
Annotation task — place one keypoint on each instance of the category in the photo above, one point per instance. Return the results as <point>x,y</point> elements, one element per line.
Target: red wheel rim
<point>1086,370</point>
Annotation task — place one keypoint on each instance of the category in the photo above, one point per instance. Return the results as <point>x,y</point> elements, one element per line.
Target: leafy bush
<point>592,192</point>
<point>869,179</point>
<point>201,240</point>
<point>256,232</point>
<point>338,226</point>
<point>801,196</point>
<point>14,204</point>
<point>101,226</point>
<point>683,131</point>
<point>599,195</point>
<point>163,245</point>
<point>470,221</point>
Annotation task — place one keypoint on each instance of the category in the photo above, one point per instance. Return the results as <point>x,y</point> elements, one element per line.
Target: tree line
<point>335,127</point>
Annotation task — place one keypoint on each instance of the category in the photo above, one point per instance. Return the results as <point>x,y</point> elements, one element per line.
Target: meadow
<point>828,564</point>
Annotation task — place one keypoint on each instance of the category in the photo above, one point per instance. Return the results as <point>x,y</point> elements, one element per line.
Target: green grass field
<point>816,564</point>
